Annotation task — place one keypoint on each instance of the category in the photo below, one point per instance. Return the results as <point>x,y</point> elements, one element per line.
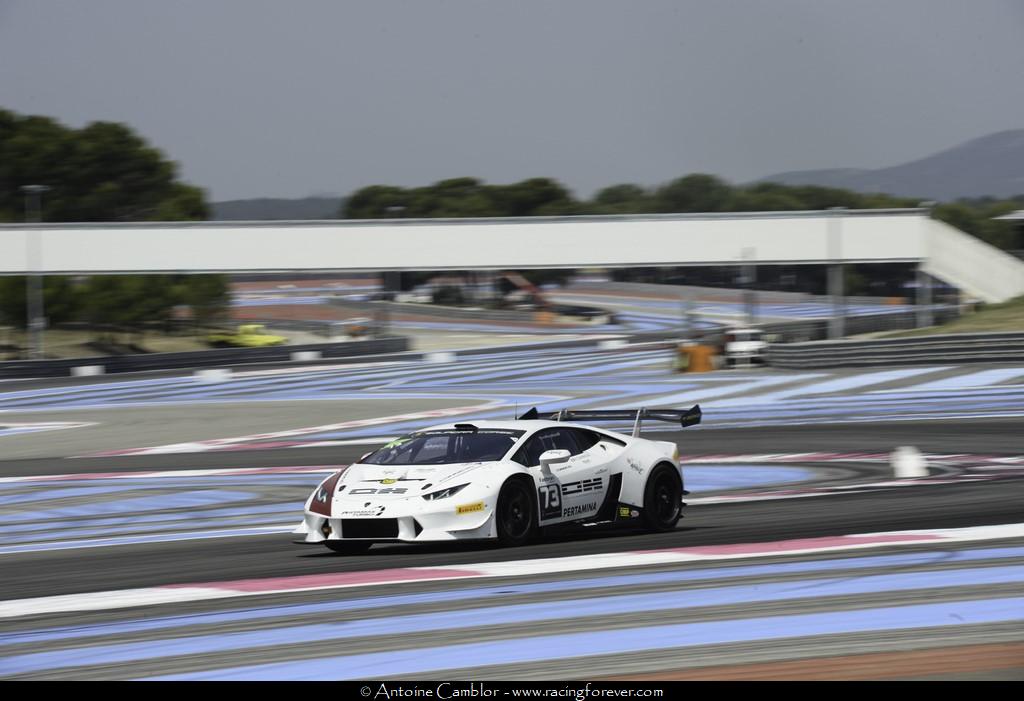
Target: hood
<point>400,481</point>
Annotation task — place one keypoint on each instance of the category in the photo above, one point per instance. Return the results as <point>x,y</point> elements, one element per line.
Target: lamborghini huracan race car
<point>501,480</point>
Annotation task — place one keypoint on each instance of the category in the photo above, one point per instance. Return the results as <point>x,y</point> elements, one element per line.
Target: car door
<point>572,490</point>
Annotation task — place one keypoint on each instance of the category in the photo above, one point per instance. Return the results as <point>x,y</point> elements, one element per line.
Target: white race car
<point>501,480</point>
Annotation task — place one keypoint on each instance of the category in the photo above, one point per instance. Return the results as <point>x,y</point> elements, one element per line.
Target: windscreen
<point>446,446</point>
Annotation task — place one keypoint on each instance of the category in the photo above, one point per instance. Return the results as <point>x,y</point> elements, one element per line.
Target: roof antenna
<point>515,410</point>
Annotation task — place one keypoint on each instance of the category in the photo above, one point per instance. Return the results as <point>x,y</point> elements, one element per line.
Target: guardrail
<point>817,329</point>
<point>202,359</point>
<point>922,350</point>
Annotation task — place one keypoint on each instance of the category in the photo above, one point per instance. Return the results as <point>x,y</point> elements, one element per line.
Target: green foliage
<point>693,193</point>
<point>698,192</point>
<point>102,172</point>
<point>208,296</point>
<point>61,298</point>
<point>462,197</point>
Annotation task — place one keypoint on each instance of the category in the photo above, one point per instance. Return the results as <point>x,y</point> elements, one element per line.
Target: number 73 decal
<point>550,501</point>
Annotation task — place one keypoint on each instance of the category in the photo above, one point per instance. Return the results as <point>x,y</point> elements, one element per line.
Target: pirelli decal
<point>469,508</point>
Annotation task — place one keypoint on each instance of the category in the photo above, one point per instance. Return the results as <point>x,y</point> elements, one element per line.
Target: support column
<point>837,322</point>
<point>749,282</point>
<point>924,299</point>
<point>836,273</point>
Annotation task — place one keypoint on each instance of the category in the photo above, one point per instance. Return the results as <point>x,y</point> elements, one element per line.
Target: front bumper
<point>401,521</point>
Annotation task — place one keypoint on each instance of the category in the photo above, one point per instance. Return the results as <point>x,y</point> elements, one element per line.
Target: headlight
<point>445,493</point>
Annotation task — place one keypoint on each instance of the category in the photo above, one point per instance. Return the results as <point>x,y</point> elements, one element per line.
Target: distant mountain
<point>990,166</point>
<point>274,208</point>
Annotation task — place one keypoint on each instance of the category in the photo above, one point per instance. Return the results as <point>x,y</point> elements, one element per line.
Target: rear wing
<point>688,417</point>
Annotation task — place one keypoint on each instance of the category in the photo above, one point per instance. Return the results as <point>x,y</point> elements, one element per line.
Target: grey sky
<point>260,98</point>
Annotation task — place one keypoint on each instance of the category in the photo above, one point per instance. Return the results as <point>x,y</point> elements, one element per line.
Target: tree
<point>208,297</point>
<point>376,202</point>
<point>528,197</point>
<point>60,299</point>
<point>625,198</point>
<point>693,193</point>
<point>697,192</point>
<point>102,172</point>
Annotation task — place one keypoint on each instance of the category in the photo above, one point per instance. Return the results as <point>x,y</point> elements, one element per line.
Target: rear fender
<point>639,460</point>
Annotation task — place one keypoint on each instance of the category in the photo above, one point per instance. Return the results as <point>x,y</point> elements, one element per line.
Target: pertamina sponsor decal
<point>579,509</point>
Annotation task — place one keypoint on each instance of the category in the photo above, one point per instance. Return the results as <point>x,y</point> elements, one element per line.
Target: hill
<point>990,166</point>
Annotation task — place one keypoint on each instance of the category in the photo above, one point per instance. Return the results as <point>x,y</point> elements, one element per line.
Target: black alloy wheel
<point>663,499</point>
<point>515,513</point>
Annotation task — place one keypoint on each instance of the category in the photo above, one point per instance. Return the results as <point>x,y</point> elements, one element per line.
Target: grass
<point>61,343</point>
<point>1005,317</point>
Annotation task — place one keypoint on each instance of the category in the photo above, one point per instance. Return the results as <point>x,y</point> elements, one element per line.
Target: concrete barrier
<point>214,375</point>
<point>917,350</point>
<point>440,357</point>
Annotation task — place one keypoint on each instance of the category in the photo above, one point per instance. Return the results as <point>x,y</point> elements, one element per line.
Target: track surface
<point>816,608</point>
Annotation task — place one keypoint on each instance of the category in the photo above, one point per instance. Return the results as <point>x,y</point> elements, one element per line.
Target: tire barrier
<point>200,359</point>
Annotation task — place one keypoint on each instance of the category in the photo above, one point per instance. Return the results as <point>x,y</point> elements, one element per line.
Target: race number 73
<point>550,501</point>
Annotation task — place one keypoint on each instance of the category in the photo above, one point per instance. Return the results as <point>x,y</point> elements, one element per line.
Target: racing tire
<point>663,499</point>
<point>348,547</point>
<point>516,513</point>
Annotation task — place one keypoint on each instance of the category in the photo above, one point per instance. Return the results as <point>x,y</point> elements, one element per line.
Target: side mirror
<point>550,457</point>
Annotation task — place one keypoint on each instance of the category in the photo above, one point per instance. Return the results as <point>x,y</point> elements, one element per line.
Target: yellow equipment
<point>247,336</point>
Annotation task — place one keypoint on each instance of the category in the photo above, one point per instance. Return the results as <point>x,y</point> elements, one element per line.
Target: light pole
<point>33,281</point>
<point>393,278</point>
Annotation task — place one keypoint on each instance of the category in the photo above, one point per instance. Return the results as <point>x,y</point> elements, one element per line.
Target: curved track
<point>754,575</point>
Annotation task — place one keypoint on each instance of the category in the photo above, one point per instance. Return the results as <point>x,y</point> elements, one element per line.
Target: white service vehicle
<point>744,347</point>
<point>502,480</point>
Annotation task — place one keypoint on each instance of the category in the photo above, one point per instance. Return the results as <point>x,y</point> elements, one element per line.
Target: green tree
<point>697,192</point>
<point>376,202</point>
<point>207,296</point>
<point>693,193</point>
<point>60,298</point>
<point>532,197</point>
<point>102,172</point>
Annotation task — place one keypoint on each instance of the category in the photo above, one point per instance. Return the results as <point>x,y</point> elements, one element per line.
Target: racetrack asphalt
<point>853,498</point>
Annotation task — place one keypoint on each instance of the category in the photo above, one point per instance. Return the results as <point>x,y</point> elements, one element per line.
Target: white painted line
<point>301,469</point>
<point>832,386</point>
<point>671,556</point>
<point>971,380</point>
<point>214,444</point>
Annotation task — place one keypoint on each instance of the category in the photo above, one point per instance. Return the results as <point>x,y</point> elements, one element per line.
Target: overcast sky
<point>291,98</point>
